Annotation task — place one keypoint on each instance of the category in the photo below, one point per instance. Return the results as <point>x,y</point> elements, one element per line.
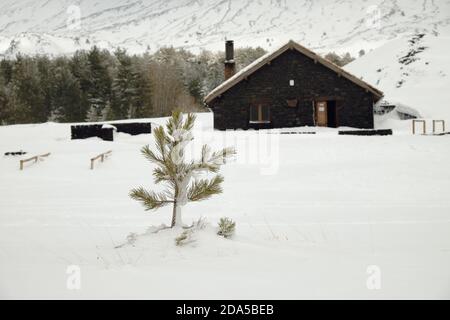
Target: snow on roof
<point>257,64</point>
<point>408,110</point>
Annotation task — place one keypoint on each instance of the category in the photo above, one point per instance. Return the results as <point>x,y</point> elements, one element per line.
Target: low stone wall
<point>387,132</point>
<point>96,130</point>
<point>93,130</point>
<point>134,128</point>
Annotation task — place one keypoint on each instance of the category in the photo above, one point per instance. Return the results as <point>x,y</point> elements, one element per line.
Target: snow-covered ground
<point>311,218</point>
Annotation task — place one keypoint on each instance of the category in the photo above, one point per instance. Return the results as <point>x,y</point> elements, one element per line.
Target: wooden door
<point>321,114</point>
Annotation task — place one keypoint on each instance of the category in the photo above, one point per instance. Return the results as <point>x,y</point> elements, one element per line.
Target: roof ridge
<point>291,44</point>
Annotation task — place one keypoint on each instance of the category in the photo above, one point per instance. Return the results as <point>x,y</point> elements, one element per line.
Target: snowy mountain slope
<point>322,25</point>
<point>414,71</point>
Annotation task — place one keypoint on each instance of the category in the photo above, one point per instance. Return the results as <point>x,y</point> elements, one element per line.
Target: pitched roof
<point>291,45</point>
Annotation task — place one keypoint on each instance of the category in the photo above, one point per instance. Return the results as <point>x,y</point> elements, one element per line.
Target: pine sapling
<point>181,177</point>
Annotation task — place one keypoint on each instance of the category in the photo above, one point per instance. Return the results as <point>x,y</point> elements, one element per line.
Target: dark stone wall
<point>270,85</point>
<point>96,130</point>
<point>107,134</point>
<point>134,129</point>
<point>86,131</point>
<point>93,130</point>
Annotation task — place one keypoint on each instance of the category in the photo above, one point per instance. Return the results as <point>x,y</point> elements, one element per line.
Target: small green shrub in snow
<point>227,227</point>
<point>184,238</point>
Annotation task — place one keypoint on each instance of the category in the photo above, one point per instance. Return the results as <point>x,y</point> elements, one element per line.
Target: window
<point>292,83</point>
<point>260,114</point>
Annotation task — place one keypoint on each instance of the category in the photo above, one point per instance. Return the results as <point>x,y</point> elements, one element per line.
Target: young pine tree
<point>182,177</point>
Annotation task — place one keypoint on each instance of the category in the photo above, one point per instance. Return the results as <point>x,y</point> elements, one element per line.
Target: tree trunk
<point>176,215</point>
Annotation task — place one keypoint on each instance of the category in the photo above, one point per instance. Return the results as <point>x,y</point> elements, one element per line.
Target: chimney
<point>230,64</point>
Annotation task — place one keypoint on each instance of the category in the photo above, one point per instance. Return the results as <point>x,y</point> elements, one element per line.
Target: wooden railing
<point>102,158</point>
<point>424,126</point>
<point>35,159</point>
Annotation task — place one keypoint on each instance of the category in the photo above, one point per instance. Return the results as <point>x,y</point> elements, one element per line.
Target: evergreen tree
<point>4,101</point>
<point>346,59</point>
<point>124,87</point>
<point>95,85</point>
<point>79,67</point>
<point>46,79</point>
<point>339,60</point>
<point>26,97</point>
<point>93,115</point>
<point>99,92</point>
<point>181,176</point>
<point>6,70</point>
<point>67,97</point>
<point>334,57</point>
<point>245,56</point>
<point>212,66</point>
<point>195,89</point>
